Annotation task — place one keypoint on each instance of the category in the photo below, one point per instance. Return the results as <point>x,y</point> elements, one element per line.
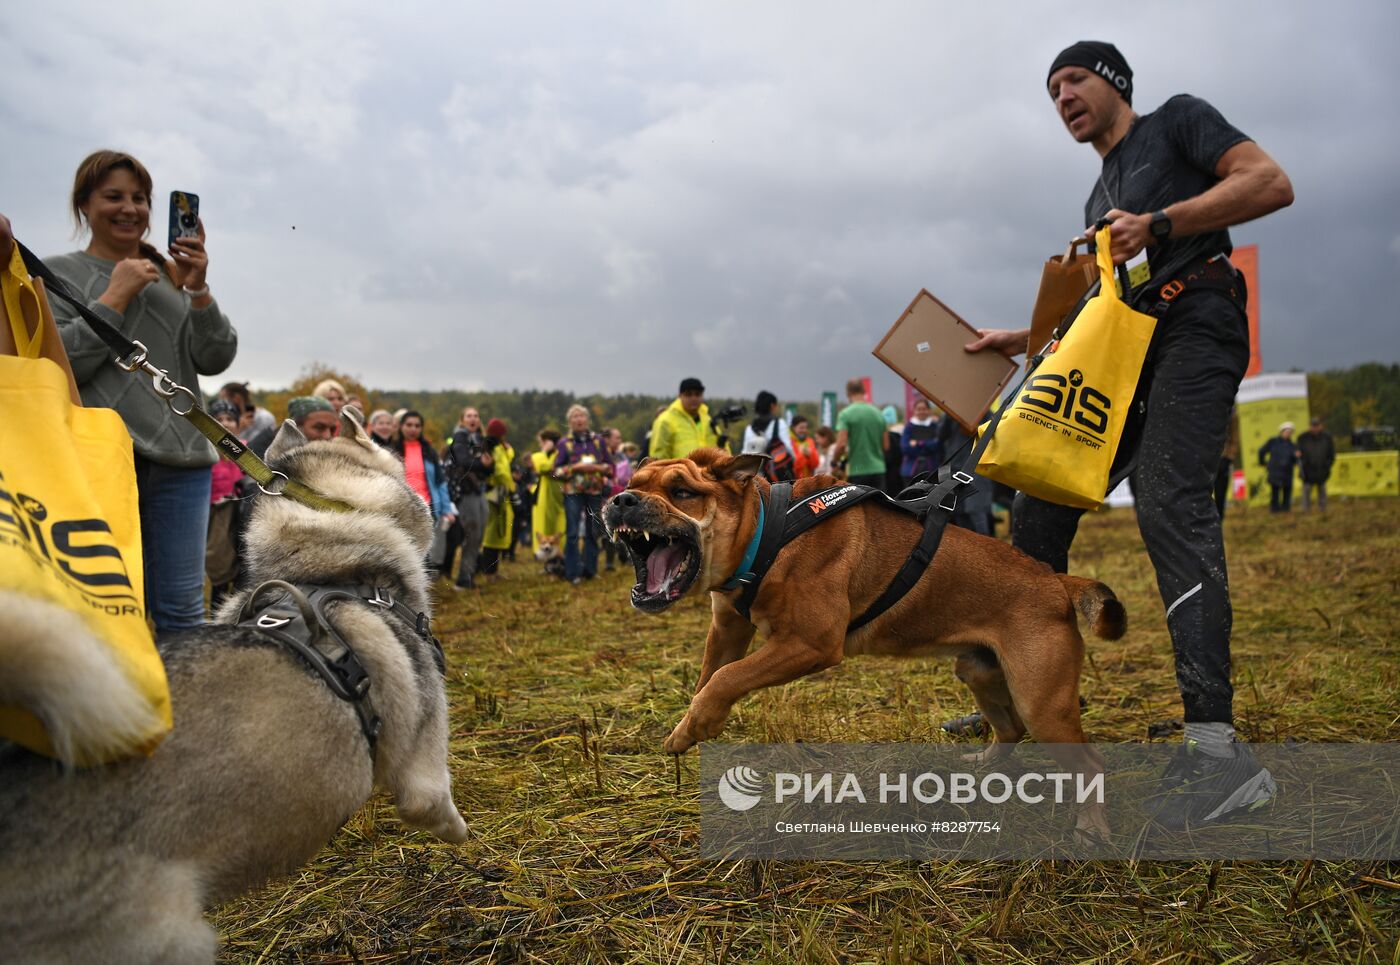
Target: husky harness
<point>295,616</point>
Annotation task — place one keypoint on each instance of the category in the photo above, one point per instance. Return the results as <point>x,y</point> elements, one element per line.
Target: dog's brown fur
<point>1007,619</point>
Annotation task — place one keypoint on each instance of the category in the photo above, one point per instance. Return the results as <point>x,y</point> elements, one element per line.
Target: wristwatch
<point>1161,226</point>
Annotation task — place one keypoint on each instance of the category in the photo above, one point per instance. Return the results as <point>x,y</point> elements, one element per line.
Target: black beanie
<point>1101,58</point>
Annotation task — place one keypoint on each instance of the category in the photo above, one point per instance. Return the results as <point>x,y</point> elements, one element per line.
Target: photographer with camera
<point>469,463</point>
<point>686,424</point>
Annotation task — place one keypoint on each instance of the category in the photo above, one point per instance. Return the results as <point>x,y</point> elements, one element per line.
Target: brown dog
<point>1007,619</point>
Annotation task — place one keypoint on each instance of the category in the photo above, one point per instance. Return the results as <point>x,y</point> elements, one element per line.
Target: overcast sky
<point>608,197</point>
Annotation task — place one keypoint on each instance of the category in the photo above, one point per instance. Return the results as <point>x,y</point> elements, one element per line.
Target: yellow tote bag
<point>1057,440</point>
<point>70,532</point>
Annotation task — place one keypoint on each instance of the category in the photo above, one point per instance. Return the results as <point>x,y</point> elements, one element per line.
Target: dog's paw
<point>453,830</point>
<point>679,742</point>
<point>438,816</point>
<point>1091,828</point>
<point>990,754</point>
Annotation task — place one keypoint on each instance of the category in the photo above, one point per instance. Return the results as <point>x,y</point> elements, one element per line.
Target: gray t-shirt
<point>1167,156</point>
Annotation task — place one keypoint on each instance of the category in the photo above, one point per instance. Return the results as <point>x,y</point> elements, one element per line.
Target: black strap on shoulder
<point>295,616</point>
<point>775,511</point>
<point>786,519</point>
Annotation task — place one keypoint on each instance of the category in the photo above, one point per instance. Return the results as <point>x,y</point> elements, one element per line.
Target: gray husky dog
<point>265,763</point>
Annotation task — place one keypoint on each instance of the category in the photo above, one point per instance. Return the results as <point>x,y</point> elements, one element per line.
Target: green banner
<point>828,408</point>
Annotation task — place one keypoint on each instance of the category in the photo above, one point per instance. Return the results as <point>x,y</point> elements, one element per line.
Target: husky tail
<point>54,669</point>
<point>1097,605</point>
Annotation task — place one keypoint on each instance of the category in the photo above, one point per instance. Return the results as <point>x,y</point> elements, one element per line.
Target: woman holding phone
<point>166,304</point>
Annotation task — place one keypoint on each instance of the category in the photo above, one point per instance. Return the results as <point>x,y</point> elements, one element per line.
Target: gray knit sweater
<point>185,341</point>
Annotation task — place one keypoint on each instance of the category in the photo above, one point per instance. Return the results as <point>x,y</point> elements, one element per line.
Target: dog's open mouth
<point>666,564</point>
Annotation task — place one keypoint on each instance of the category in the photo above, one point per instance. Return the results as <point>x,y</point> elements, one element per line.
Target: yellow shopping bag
<point>83,679</point>
<point>1057,440</point>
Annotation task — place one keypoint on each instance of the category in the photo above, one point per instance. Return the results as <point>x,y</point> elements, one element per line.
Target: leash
<point>131,357</point>
<point>296,618</point>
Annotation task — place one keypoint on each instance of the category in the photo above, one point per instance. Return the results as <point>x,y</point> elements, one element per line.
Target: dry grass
<point>583,847</point>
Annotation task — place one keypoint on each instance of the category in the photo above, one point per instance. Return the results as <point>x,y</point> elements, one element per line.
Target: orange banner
<point>1246,259</point>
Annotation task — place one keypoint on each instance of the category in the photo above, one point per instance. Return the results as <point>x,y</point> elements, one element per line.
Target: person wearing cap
<point>226,473</point>
<point>314,416</point>
<point>685,424</point>
<point>1280,454</point>
<point>1316,453</point>
<point>1172,182</point>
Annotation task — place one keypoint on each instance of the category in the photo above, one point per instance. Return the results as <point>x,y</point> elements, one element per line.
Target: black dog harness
<point>295,616</point>
<point>933,502</point>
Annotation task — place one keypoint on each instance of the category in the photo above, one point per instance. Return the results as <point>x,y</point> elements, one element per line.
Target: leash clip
<point>135,360</point>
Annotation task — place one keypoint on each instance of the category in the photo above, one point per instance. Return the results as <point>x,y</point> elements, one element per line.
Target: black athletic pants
<point>1200,353</point>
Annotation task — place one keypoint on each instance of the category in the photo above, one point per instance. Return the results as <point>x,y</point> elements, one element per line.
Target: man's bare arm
<point>1251,185</point>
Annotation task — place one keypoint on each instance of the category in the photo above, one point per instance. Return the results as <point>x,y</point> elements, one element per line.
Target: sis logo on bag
<point>78,551</point>
<point>1082,409</point>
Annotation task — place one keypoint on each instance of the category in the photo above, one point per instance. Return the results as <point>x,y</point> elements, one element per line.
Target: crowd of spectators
<point>487,502</point>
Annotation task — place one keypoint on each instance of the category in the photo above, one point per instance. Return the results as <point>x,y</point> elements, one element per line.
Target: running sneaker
<point>973,725</point>
<point>1198,788</point>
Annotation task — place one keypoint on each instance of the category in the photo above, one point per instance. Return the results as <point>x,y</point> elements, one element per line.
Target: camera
<point>729,413</point>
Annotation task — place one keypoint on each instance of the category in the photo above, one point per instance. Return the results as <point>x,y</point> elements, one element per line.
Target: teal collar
<point>743,573</point>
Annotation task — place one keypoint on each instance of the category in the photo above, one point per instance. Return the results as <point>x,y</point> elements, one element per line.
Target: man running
<point>1172,181</point>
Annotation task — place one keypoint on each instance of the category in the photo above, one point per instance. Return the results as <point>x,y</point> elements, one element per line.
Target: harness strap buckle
<point>382,598</point>
<point>963,477</point>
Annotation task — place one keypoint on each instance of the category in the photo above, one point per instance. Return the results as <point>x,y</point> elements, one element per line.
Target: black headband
<point>1101,58</point>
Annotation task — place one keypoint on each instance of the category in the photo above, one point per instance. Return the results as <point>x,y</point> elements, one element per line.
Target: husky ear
<point>287,440</point>
<point>352,428</point>
<point>738,468</point>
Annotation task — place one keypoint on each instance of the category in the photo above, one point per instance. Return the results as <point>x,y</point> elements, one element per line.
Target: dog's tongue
<point>662,566</point>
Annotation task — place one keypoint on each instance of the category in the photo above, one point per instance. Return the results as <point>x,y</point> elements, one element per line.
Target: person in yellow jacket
<point>685,425</point>
<point>547,519</point>
<point>499,514</point>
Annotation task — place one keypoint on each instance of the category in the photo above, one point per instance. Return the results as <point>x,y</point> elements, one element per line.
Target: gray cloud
<point>611,197</point>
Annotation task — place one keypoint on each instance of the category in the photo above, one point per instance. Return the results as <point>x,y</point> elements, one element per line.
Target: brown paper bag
<point>1063,281</point>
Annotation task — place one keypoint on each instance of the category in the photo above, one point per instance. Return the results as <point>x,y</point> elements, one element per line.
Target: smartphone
<point>184,216</point>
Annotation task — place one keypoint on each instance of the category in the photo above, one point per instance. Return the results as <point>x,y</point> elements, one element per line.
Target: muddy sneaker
<point>973,725</point>
<point>1199,788</point>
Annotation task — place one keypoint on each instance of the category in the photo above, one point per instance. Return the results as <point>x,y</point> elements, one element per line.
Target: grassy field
<point>583,847</point>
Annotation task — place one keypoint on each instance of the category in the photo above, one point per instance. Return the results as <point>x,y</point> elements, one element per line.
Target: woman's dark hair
<point>550,434</point>
<point>800,418</point>
<point>93,171</point>
<point>397,444</point>
<point>763,405</point>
